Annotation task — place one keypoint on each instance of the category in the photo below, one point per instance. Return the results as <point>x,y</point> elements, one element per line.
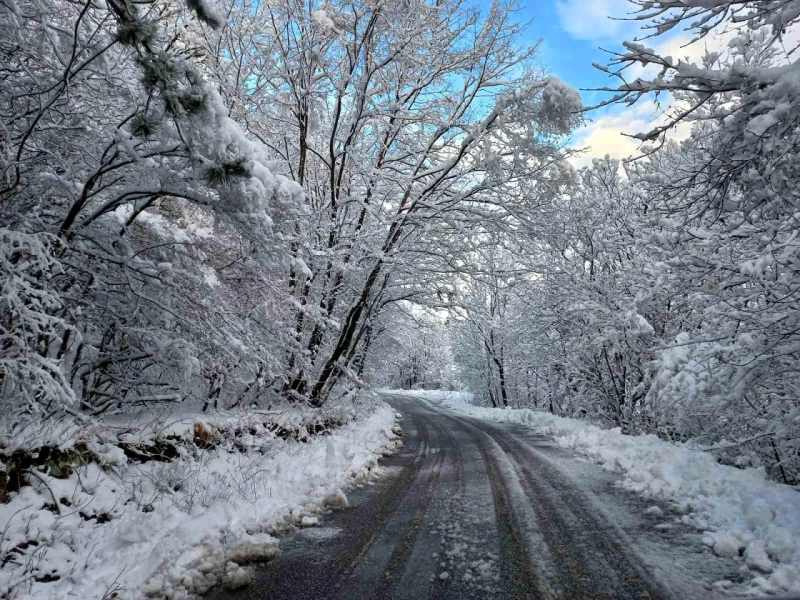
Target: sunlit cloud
<point>606,131</point>
<point>607,134</point>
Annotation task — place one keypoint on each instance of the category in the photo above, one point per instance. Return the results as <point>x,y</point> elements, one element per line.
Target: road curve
<point>468,509</point>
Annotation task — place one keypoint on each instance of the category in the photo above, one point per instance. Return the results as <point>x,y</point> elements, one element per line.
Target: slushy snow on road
<point>743,515</point>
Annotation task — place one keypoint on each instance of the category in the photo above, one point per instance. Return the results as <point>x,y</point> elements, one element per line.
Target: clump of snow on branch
<point>562,103</point>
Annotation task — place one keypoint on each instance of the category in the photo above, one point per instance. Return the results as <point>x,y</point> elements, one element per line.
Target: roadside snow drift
<point>742,514</point>
<point>172,529</point>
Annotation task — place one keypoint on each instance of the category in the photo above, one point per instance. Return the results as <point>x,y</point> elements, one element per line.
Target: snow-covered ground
<point>171,529</point>
<point>743,515</point>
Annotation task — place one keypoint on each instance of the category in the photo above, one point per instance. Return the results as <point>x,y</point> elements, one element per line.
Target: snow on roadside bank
<point>174,529</point>
<point>742,514</point>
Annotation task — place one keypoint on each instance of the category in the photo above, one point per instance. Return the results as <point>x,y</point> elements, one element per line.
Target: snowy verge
<point>174,528</point>
<point>742,515</point>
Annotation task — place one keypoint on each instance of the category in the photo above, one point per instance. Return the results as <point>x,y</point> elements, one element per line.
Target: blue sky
<point>573,33</point>
<point>566,50</point>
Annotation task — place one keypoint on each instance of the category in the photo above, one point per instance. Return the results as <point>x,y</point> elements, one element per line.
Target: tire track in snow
<point>580,553</point>
<point>521,545</point>
<point>371,572</point>
<point>459,534</point>
<point>589,552</point>
<point>397,565</point>
<point>462,489</point>
<point>316,571</point>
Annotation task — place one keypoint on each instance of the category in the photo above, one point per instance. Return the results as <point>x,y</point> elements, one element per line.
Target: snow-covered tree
<point>126,189</point>
<point>665,300</point>
<point>726,201</point>
<point>405,124</point>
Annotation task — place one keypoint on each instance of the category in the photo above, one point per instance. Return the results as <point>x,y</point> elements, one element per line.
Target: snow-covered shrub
<point>32,331</point>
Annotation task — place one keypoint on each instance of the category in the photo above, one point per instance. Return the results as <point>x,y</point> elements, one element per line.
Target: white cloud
<point>604,137</point>
<point>604,134</point>
<point>590,19</point>
<point>679,46</point>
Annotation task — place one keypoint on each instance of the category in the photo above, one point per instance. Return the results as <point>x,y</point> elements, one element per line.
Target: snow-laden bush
<point>32,380</point>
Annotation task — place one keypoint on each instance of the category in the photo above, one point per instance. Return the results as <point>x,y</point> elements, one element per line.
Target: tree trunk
<point>330,372</point>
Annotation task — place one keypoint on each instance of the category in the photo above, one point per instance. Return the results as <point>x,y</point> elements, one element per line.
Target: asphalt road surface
<point>477,509</point>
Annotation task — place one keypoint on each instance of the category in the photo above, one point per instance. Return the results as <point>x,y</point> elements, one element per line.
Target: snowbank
<point>742,514</point>
<point>170,529</point>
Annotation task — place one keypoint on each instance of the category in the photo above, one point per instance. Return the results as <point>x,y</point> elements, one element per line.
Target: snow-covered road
<point>474,508</point>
